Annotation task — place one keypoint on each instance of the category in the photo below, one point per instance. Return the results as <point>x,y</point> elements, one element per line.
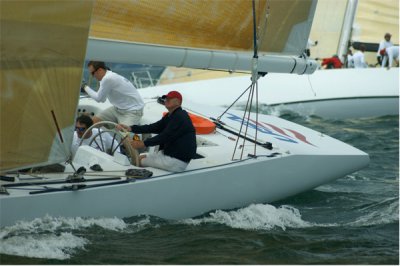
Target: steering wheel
<point>121,137</point>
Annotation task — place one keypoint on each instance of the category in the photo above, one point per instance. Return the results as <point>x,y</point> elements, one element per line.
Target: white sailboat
<point>271,160</point>
<point>332,94</point>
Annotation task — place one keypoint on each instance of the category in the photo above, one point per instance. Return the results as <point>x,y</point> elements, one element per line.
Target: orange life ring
<point>202,125</point>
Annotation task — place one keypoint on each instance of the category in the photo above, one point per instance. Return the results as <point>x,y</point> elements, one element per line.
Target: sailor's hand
<point>137,144</point>
<point>122,126</point>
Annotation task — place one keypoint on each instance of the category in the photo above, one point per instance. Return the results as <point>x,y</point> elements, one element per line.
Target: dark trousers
<point>379,58</point>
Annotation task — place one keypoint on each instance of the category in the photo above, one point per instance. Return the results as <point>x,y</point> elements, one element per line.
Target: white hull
<point>342,108</point>
<point>185,195</point>
<point>305,159</point>
<point>338,93</point>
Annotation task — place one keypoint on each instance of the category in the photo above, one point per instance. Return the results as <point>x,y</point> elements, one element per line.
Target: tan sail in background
<point>43,45</point>
<point>373,19</point>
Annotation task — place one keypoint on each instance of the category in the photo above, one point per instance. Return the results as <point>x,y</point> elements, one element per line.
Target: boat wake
<point>61,238</point>
<point>51,246</point>
<point>256,217</point>
<point>268,217</point>
<point>53,237</point>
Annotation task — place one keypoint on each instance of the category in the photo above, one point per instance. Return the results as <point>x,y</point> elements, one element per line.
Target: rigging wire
<point>241,126</point>
<point>311,87</point>
<point>219,117</point>
<point>250,103</point>
<point>255,137</point>
<point>253,90</point>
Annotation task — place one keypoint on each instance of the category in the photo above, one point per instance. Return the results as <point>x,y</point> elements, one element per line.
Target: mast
<point>347,28</point>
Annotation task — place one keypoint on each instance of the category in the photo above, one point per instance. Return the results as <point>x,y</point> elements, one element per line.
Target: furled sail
<point>210,34</point>
<point>43,45</point>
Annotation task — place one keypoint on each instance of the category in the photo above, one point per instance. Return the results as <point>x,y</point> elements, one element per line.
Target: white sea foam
<point>49,246</point>
<point>275,111</point>
<point>51,237</point>
<point>140,225</point>
<point>357,176</point>
<point>256,217</point>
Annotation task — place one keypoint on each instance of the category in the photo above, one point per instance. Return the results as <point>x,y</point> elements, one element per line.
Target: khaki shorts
<point>115,115</point>
<point>165,162</point>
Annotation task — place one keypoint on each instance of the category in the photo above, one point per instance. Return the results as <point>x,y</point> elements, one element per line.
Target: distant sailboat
<point>43,49</point>
<point>334,94</point>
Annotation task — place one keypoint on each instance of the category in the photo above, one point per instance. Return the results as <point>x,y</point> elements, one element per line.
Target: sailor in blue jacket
<point>176,137</point>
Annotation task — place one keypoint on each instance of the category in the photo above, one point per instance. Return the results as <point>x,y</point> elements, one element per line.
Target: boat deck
<point>211,150</point>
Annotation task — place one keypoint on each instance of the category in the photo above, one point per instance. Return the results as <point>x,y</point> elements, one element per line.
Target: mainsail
<point>43,45</point>
<point>205,34</point>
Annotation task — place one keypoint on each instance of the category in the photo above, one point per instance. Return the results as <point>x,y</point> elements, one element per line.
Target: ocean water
<point>353,220</point>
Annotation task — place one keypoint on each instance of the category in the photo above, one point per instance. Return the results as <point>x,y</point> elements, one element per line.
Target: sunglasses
<point>80,129</point>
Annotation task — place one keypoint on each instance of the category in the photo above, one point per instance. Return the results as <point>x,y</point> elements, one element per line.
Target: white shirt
<point>350,61</point>
<point>383,44</point>
<point>105,137</point>
<point>120,92</point>
<point>393,53</point>
<point>359,60</point>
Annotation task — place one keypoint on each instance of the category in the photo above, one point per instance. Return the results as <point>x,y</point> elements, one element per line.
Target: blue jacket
<point>176,135</point>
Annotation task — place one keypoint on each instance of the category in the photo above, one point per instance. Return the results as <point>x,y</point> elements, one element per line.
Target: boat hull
<point>341,108</point>
<point>189,194</point>
<point>333,94</point>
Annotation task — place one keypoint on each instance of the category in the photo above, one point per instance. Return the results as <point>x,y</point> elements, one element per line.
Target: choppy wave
<point>384,212</point>
<point>53,224</point>
<point>256,217</point>
<point>56,237</point>
<point>51,246</point>
<point>268,217</point>
<point>62,238</point>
